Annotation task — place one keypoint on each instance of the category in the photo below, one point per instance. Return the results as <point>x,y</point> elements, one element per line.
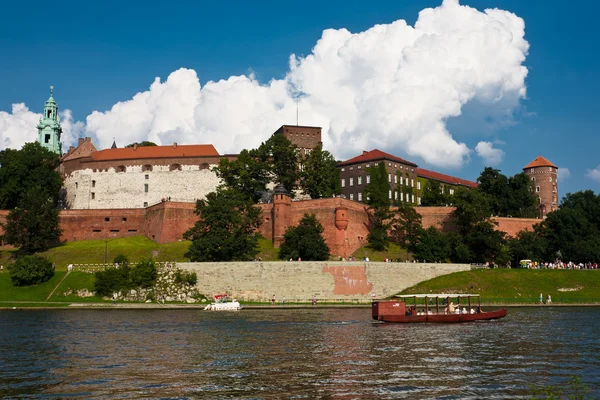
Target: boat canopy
<point>432,295</point>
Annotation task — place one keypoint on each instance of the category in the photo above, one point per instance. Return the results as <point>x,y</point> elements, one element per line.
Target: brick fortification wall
<point>302,280</point>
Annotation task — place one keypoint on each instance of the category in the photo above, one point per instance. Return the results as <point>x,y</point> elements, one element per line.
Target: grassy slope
<point>76,280</point>
<point>517,285</point>
<point>8,292</point>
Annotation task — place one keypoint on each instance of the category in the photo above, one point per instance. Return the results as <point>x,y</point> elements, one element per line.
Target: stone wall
<point>259,281</point>
<point>138,186</point>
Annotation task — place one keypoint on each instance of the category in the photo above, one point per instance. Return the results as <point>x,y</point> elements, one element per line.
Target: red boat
<point>429,309</point>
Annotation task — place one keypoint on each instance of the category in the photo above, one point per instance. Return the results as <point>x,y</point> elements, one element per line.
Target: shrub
<point>188,277</point>
<point>111,280</point>
<point>144,274</point>
<point>30,270</point>
<point>121,259</point>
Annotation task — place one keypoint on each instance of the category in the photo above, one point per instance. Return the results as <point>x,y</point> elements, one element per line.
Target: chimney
<point>135,146</point>
<point>174,145</point>
<point>81,140</point>
<point>364,152</point>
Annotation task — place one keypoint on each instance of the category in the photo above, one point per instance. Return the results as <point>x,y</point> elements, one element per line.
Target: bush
<point>122,260</point>
<point>304,241</point>
<point>188,277</point>
<point>111,280</point>
<point>144,274</point>
<point>30,270</point>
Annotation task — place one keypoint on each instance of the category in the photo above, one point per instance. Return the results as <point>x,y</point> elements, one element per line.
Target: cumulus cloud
<point>563,173</point>
<point>593,174</point>
<point>489,154</point>
<point>393,86</point>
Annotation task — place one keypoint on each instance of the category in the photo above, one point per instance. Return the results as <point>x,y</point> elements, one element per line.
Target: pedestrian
<point>548,300</point>
<point>283,300</point>
<point>273,300</point>
<point>314,301</point>
<point>541,299</point>
<point>1,268</point>
<point>114,298</point>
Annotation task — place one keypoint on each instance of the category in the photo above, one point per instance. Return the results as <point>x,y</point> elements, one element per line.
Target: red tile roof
<point>128,153</point>
<point>374,155</point>
<point>445,178</point>
<point>540,162</point>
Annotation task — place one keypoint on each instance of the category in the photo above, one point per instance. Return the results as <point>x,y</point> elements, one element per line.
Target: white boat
<point>221,304</point>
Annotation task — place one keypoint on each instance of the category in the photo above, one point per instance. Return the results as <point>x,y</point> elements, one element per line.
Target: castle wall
<point>259,281</point>
<point>512,226</point>
<point>100,224</point>
<point>138,186</point>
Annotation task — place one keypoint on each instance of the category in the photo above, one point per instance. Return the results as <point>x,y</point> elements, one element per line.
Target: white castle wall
<point>86,189</point>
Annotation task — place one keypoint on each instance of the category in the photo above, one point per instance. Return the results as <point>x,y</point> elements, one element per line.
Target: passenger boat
<point>427,308</point>
<point>221,304</point>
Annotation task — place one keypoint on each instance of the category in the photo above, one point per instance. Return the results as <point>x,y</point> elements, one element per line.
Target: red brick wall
<point>512,226</point>
<point>100,224</point>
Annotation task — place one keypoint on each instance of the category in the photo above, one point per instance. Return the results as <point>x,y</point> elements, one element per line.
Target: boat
<point>427,308</point>
<point>222,304</point>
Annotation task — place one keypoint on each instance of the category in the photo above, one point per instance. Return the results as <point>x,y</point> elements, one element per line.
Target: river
<point>300,354</point>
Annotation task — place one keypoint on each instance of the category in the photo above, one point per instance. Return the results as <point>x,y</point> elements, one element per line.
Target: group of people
<point>558,265</point>
<point>548,299</point>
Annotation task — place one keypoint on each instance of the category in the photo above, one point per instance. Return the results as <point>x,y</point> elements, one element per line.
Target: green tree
<point>145,143</point>
<point>378,199</point>
<point>472,207</point>
<point>226,230</point>
<point>494,185</point>
<point>282,158</point>
<point>433,246</point>
<point>486,243</point>
<point>433,195</point>
<point>527,245</point>
<point>30,270</point>
<point>249,174</point>
<point>406,226</point>
<point>320,176</point>
<point>304,241</point>
<point>144,274</point>
<point>34,224</point>
<point>508,196</point>
<point>31,167</point>
<point>569,231</point>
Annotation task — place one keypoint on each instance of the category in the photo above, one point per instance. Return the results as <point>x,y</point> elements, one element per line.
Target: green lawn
<point>76,280</point>
<point>517,285</point>
<point>267,252</point>
<point>394,252</point>
<point>33,293</point>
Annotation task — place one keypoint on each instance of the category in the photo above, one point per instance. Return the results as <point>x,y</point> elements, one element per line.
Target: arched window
<point>121,168</point>
<point>146,168</point>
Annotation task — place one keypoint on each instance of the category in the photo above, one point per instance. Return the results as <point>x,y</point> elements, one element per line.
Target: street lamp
<point>105,250</point>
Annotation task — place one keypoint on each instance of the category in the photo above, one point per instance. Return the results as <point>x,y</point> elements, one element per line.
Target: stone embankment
<point>300,281</point>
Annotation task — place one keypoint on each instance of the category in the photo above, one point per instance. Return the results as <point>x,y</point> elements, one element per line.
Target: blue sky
<point>98,54</point>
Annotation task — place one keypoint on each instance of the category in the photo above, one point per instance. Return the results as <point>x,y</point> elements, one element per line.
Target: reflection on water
<point>312,353</point>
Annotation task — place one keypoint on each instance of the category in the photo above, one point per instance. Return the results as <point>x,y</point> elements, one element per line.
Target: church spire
<point>49,129</point>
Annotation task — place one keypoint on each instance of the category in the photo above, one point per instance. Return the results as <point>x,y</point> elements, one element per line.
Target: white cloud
<point>593,174</point>
<point>392,86</point>
<point>490,155</point>
<point>18,127</point>
<point>563,173</point>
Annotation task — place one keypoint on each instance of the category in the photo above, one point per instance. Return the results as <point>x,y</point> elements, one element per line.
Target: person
<point>283,300</point>
<point>451,308</point>
<point>314,301</point>
<point>1,268</point>
<point>273,300</point>
<point>541,298</point>
<point>549,300</point>
<point>114,298</point>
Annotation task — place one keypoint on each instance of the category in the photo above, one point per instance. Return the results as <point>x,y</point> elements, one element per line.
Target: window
<point>174,167</point>
<point>419,200</point>
<point>145,204</point>
<point>550,179</point>
<point>76,185</point>
<point>93,195</point>
<point>395,195</point>
<point>47,138</point>
<point>451,191</point>
<point>359,167</point>
<point>401,180</point>
<point>368,179</point>
<point>532,170</point>
<point>351,196</point>
<point>389,164</point>
<point>406,197</point>
<point>412,182</point>
<point>368,165</point>
<point>306,152</point>
<point>121,168</point>
<point>93,183</point>
<point>395,178</point>
<point>146,167</point>
<point>389,177</point>
<point>106,219</point>
<point>395,165</point>
<point>351,181</point>
<point>146,176</point>
<point>343,169</point>
<point>351,168</point>
<point>359,196</point>
<point>124,219</point>
<point>343,182</point>
<point>550,169</point>
<point>390,194</point>
<point>145,188</point>
<point>537,189</point>
<point>419,185</point>
<point>360,180</point>
<point>412,200</point>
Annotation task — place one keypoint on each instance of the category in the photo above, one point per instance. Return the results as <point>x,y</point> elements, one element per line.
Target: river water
<point>293,354</point>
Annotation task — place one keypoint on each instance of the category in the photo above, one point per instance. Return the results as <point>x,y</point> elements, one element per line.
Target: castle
<point>152,190</point>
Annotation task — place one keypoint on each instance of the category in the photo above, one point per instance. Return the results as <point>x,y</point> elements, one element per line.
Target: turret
<point>281,213</point>
<point>49,129</point>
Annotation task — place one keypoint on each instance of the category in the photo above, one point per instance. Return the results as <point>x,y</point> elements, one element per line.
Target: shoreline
<point>151,306</point>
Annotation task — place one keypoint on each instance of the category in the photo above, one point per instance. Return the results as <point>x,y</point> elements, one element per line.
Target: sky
<point>453,87</point>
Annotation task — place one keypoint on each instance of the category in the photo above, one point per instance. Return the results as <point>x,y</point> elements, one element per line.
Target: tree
<point>432,246</point>
<point>494,185</point>
<point>145,143</point>
<point>320,176</point>
<point>226,230</point>
<point>282,158</point>
<point>508,196</point>
<point>486,243</point>
<point>30,270</point>
<point>527,245</point>
<point>406,226</point>
<point>472,207</point>
<point>34,224</point>
<point>21,170</point>
<point>378,198</point>
<point>433,195</point>
<point>248,174</point>
<point>304,241</point>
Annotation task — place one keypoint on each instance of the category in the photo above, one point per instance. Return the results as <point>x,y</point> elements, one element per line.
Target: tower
<point>49,128</point>
<point>280,213</point>
<point>544,174</point>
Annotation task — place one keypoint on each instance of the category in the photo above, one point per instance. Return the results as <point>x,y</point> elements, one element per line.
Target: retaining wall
<point>259,281</point>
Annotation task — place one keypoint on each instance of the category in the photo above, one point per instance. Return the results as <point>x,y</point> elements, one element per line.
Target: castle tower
<point>544,176</point>
<point>281,213</point>
<point>49,128</point>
